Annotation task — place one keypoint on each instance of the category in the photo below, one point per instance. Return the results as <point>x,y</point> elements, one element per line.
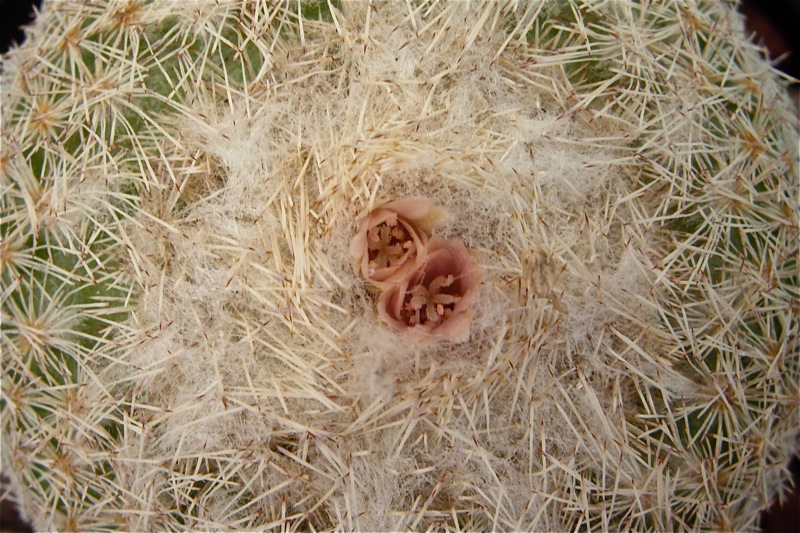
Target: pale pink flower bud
<point>391,240</point>
<point>435,301</point>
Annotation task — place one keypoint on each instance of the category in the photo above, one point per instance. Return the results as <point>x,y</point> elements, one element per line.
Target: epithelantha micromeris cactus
<point>187,345</point>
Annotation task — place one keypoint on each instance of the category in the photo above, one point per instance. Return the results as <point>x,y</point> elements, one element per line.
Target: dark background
<point>13,14</point>
<point>774,23</point>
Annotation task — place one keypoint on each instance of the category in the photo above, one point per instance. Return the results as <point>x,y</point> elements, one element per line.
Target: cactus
<point>186,345</point>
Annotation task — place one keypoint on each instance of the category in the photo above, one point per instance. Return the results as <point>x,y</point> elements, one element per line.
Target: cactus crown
<point>185,344</point>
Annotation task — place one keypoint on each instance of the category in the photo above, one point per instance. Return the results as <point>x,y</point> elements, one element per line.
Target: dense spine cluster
<point>185,344</point>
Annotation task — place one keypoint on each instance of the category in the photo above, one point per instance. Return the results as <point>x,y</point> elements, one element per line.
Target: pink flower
<point>391,240</point>
<point>435,301</point>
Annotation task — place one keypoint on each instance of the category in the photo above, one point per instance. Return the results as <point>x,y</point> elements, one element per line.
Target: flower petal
<point>390,242</point>
<point>435,301</point>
